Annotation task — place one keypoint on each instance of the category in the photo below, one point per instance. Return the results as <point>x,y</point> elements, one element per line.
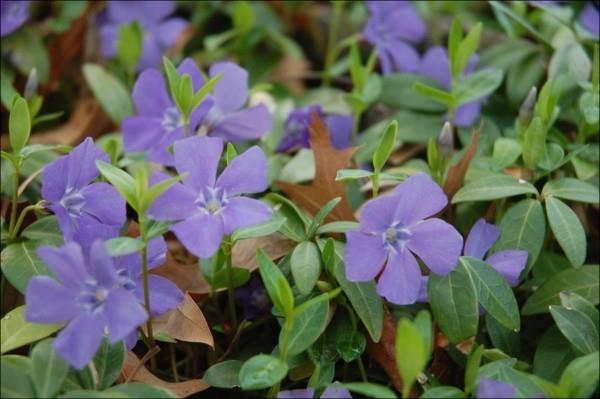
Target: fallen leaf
<point>519,173</point>
<point>275,246</point>
<point>186,276</point>
<point>457,173</point>
<point>323,188</point>
<point>181,389</point>
<point>186,323</point>
<point>291,72</point>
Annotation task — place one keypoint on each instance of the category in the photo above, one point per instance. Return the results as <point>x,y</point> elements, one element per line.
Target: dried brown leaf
<point>323,188</point>
<point>275,246</point>
<point>186,323</point>
<point>181,389</point>
<point>457,173</point>
<point>186,276</point>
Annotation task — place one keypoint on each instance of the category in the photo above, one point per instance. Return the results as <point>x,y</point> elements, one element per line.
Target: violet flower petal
<point>201,234</point>
<point>489,388</point>
<point>364,256</point>
<point>437,243</point>
<point>176,203</point>
<point>467,114</point>
<point>141,133</point>
<point>66,263</point>
<point>419,197</point>
<point>47,301</point>
<point>190,67</point>
<point>243,212</point>
<point>401,279</point>
<point>236,178</point>
<point>340,130</point>
<point>404,57</point>
<point>151,56</point>
<point>164,295</point>
<point>336,391</point>
<point>231,91</point>
<point>307,393</point>
<point>377,215</point>
<point>247,124</point>
<point>168,31</point>
<point>199,156</point>
<point>104,203</point>
<point>124,313</point>
<point>81,169</point>
<point>510,264</point>
<point>79,340</point>
<point>590,19</point>
<point>13,14</point>
<point>480,239</point>
<point>101,265</point>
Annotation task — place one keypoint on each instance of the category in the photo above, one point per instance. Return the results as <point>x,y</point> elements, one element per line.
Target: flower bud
<point>526,110</point>
<point>445,141</point>
<point>31,87</point>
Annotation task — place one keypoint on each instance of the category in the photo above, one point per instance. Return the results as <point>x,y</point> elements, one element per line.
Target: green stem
<point>331,52</point>
<point>17,226</point>
<point>15,198</point>
<point>230,290</point>
<point>287,329</point>
<point>144,254</point>
<point>375,182</point>
<point>355,125</point>
<point>361,368</point>
<point>186,126</point>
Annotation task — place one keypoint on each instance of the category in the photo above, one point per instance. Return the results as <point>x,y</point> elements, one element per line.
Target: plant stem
<point>230,289</point>
<point>186,126</point>
<point>355,125</point>
<point>173,363</point>
<point>17,226</point>
<point>361,368</point>
<point>331,52</point>
<point>287,328</point>
<point>144,254</point>
<point>15,198</point>
<point>375,182</point>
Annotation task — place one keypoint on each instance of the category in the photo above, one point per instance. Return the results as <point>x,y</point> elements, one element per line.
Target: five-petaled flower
<point>392,24</point>
<point>206,207</point>
<point>394,227</point>
<point>87,295</point>
<point>159,31</point>
<point>85,211</point>
<point>13,13</point>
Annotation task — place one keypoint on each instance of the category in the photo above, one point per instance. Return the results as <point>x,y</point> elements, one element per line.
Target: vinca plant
<point>318,199</point>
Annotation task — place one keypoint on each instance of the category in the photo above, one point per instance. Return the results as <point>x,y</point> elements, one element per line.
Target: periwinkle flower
<point>227,118</point>
<point>489,388</point>
<point>435,65</point>
<point>296,129</point>
<point>159,31</point>
<point>208,207</point>
<point>392,28</point>
<point>158,123</point>
<point>394,227</point>
<point>86,295</point>
<point>13,13</point>
<point>333,391</point>
<point>590,19</point>
<point>85,211</point>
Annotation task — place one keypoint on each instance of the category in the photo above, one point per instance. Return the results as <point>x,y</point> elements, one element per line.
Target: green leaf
<point>351,346</point>
<point>411,354</point>
<point>466,49</point>
<point>567,229</point>
<point>259,230</point>
<point>27,46</point>
<point>493,187</point>
<point>243,17</point>
<point>19,124</point>
<point>577,327</point>
<point>443,392</point>
<point>224,374</point>
<point>185,94</point>
<point>493,292</point>
<point>534,143</point>
<point>357,72</point>
<point>44,230</point>
<point>571,300</point>
<point>478,85</point>
<point>262,371</point>
<point>505,339</point>
<point>369,389</point>
<point>553,157</point>
<point>580,378</point>
<point>20,263</point>
<point>455,37</point>
<point>552,355</point>
<point>306,266</point>
<point>397,92</point>
<point>352,174</point>
<point>277,286</point>
<point>500,8</point>
<point>120,246</point>
<point>571,189</point>
<point>589,104</point>
<point>155,190</point>
<point>472,367</point>
<point>110,92</point>
<point>130,40</point>
<point>583,281</point>
<point>386,146</point>
<point>108,362</point>
<point>296,221</point>
<point>15,384</point>
<point>17,332</point>
<point>35,148</point>
<point>239,277</point>
<point>310,320</point>
<point>48,370</point>
<point>122,181</point>
<point>138,390</point>
<point>337,227</point>
<point>506,152</point>
<point>453,300</point>
<point>172,77</point>
<point>523,226</point>
<point>321,215</point>
<point>365,301</point>
<point>435,94</point>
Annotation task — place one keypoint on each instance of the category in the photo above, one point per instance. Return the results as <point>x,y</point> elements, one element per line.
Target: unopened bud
<point>31,87</point>
<point>445,141</point>
<point>526,110</point>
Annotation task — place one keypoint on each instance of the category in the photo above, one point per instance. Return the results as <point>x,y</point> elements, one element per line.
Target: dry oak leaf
<point>456,173</point>
<point>181,389</point>
<point>324,187</point>
<point>186,323</point>
<point>186,276</point>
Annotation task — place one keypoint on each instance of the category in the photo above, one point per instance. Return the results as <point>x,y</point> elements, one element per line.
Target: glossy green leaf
<point>466,49</point>
<point>120,246</point>
<point>571,189</point>
<point>172,77</point>
<point>506,152</point>
<point>492,187</point>
<point>386,146</point>
<point>369,389</point>
<point>567,229</point>
<point>552,355</point>
<point>154,191</point>
<point>441,96</point>
<point>45,231</point>
<point>17,332</point>
<point>337,227</point>
<point>321,215</point>
<point>534,143</point>
<point>455,37</point>
<point>397,92</point>
<point>424,325</point>
<point>27,46</point>
<point>589,104</point>
<point>206,88</point>
<point>352,174</point>
<point>411,353</point>
<point>583,281</point>
<point>306,266</point>
<point>224,374</point>
<point>577,327</point>
<point>130,40</point>
<point>351,346</point>
<point>276,284</point>
<point>15,384</point>
<point>580,378</point>
<point>503,338</point>
<point>500,8</point>
<point>262,371</point>
<point>19,124</point>
<point>108,362</point>
<point>443,392</point>
<point>259,230</point>
<point>139,390</point>
<point>310,320</point>
<point>453,300</point>
<point>20,263</point>
<point>48,370</point>
<point>110,92</point>
<point>296,222</point>
<point>122,181</point>
<point>478,85</point>
<point>472,367</point>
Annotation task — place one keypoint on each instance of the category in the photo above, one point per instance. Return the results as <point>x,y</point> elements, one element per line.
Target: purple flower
<point>307,393</point>
<point>85,211</point>
<point>158,123</point>
<point>296,129</point>
<point>394,227</point>
<point>489,388</point>
<point>254,298</point>
<point>392,24</point>
<point>207,207</point>
<point>435,65</point>
<point>159,31</point>
<point>13,13</point>
<point>589,19</point>
<point>227,118</point>
<point>87,295</point>
<point>333,391</point>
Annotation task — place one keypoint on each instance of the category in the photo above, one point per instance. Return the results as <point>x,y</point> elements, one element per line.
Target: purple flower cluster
<point>296,129</point>
<point>207,207</point>
<point>394,227</point>
<point>159,31</point>
<point>13,13</point>
<point>158,123</point>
